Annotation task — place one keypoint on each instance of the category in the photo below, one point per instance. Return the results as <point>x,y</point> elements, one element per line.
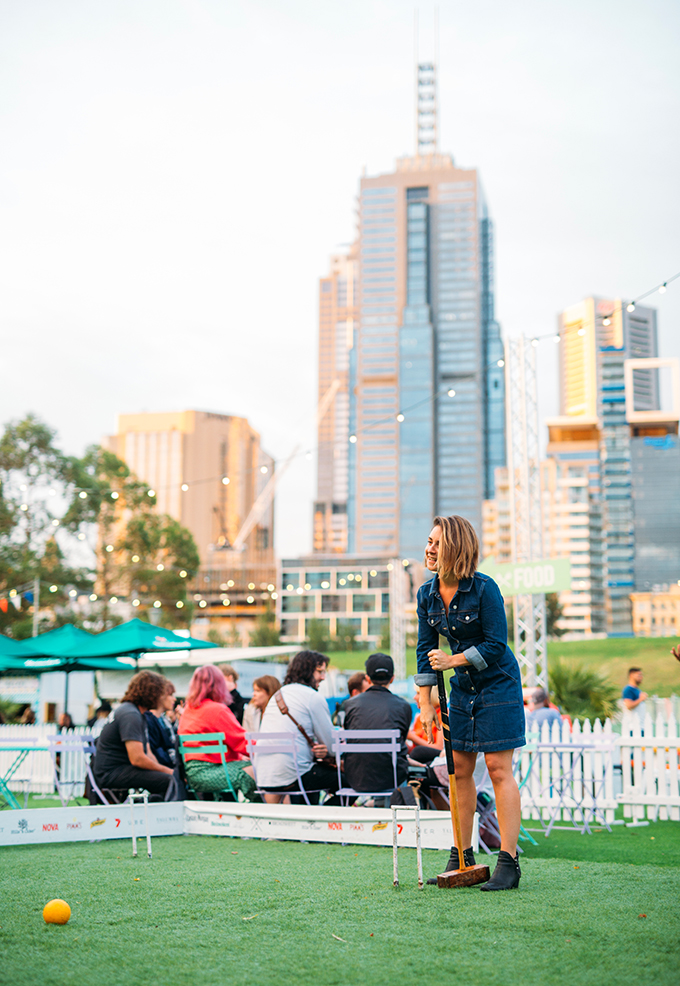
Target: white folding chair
<point>374,741</point>
<point>62,747</point>
<point>260,745</point>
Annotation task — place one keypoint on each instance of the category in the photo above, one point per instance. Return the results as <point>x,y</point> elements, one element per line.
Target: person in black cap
<point>377,708</point>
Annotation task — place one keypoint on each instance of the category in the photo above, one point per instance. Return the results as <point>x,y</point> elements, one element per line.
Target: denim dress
<point>486,709</point>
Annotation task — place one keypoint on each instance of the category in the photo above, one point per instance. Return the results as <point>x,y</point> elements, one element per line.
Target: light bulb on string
<point>225,480</point>
<point>81,536</point>
<point>630,307</point>
<point>83,495</point>
<point>93,597</point>
<point>53,588</point>
<point>109,547</point>
<point>160,568</point>
<point>185,487</point>
<point>24,506</point>
<point>157,604</point>
<point>353,439</point>
<point>581,332</point>
<point>500,362</point>
<point>451,392</point>
<point>534,342</point>
<point>150,492</point>
<point>134,559</point>
<point>662,289</point>
<point>557,338</point>
<point>400,417</point>
<point>607,320</point>
<point>113,600</point>
<point>179,604</point>
<point>264,470</point>
<point>183,574</point>
<point>226,601</point>
<point>114,495</point>
<point>135,602</point>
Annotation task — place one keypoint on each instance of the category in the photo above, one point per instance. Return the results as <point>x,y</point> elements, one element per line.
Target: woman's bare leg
<point>467,793</point>
<point>508,808</point>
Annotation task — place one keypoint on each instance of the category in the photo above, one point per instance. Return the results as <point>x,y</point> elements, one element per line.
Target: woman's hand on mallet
<point>675,651</point>
<point>428,715</point>
<point>440,661</point>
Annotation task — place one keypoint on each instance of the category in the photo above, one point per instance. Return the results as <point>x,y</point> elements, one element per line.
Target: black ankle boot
<point>506,875</point>
<point>453,864</point>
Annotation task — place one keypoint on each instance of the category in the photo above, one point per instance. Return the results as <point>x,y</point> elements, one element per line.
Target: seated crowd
<point>291,732</point>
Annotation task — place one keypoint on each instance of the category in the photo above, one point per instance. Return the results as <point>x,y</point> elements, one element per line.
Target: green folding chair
<point>192,743</point>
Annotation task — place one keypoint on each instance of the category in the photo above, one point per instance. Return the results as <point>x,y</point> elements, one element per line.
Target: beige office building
<point>207,471</point>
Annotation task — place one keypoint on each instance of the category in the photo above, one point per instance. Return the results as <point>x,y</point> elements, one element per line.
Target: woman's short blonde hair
<point>458,548</point>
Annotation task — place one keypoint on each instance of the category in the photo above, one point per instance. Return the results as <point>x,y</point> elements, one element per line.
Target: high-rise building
<point>207,471</point>
<point>426,394</point>
<point>337,320</point>
<point>614,434</point>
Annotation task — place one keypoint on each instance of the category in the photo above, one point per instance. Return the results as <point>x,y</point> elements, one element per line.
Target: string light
<point>500,362</point>
<point>352,439</point>
<point>451,392</point>
<point>225,480</point>
<point>400,417</point>
<point>264,469</point>
<point>250,599</point>
<point>179,604</point>
<point>662,289</point>
<point>109,547</point>
<point>83,495</point>
<point>160,568</point>
<point>93,597</point>
<point>630,307</point>
<point>72,593</point>
<point>81,536</point>
<point>226,602</point>
<point>202,604</point>
<point>55,523</point>
<point>534,341</point>
<point>113,600</point>
<point>114,495</point>
<point>135,559</point>
<point>53,588</point>
<point>183,574</point>
<point>157,604</point>
<point>185,487</point>
<point>150,492</point>
<point>24,506</point>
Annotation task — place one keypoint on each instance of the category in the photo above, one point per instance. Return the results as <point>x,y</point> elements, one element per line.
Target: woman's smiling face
<point>432,549</point>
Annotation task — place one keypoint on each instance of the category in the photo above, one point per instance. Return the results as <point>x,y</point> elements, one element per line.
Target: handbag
<point>284,710</point>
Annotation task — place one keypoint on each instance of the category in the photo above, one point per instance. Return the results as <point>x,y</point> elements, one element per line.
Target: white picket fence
<point>590,770</point>
<point>580,766</point>
<point>36,774</point>
<point>649,762</point>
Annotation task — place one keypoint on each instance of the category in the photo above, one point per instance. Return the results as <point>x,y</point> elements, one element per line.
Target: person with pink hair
<point>207,711</point>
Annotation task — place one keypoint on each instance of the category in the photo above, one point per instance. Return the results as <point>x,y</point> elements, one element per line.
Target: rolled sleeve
<point>425,679</point>
<point>473,657</point>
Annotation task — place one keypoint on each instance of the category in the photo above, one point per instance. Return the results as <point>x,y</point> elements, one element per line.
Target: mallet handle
<point>453,793</point>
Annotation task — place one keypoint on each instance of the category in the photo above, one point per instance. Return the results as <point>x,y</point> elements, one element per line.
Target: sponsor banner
<point>548,575</point>
<point>88,824</point>
<point>301,823</point>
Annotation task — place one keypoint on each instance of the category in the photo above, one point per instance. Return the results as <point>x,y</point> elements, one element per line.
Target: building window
<point>318,580</point>
<point>289,628</point>
<point>333,604</point>
<point>377,625</point>
<point>297,604</point>
<point>363,604</point>
<point>290,580</point>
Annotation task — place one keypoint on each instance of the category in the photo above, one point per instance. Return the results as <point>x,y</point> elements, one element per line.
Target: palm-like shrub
<point>581,693</point>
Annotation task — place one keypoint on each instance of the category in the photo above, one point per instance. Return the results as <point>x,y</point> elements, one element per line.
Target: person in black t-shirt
<point>377,708</point>
<point>238,702</point>
<point>124,758</point>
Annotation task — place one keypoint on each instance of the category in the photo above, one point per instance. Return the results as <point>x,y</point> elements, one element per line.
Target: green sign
<point>547,575</point>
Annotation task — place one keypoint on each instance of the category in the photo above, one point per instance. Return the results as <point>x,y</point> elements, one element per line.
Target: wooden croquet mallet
<point>464,876</point>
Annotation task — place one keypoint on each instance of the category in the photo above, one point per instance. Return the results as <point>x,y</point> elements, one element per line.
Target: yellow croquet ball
<point>56,911</point>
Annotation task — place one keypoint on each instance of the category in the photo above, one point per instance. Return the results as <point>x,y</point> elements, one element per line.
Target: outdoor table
<point>569,789</point>
<point>22,750</point>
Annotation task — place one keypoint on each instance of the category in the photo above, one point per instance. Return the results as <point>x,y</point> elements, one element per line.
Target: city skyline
<point>129,262</point>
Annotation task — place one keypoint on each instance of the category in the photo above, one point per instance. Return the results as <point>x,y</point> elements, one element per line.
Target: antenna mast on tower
<point>427,117</point>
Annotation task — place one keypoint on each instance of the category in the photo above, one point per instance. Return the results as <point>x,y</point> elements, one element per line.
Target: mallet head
<point>468,877</point>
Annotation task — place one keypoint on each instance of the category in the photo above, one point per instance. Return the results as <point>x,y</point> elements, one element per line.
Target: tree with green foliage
<point>266,633</point>
<point>346,636</point>
<point>554,611</point>
<point>35,479</point>
<point>317,636</point>
<point>142,555</point>
<point>581,693</point>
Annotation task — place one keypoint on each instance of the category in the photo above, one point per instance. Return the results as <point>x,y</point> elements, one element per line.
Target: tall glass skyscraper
<point>427,399</point>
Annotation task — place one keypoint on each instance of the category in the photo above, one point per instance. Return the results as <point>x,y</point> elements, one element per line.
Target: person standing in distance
<point>633,698</point>
<point>486,711</point>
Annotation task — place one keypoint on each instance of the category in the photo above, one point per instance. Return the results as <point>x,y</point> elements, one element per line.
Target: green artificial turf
<point>206,911</point>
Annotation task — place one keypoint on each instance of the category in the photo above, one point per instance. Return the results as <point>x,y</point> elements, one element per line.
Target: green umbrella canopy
<point>64,649</point>
<point>138,637</point>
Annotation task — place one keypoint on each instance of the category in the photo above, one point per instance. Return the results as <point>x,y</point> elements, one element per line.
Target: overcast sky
<point>175,173</point>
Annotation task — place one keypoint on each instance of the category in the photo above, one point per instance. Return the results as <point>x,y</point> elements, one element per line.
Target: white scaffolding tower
<point>398,579</point>
<point>525,504</point>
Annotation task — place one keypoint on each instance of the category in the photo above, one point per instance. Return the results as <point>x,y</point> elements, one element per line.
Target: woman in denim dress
<point>486,710</point>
